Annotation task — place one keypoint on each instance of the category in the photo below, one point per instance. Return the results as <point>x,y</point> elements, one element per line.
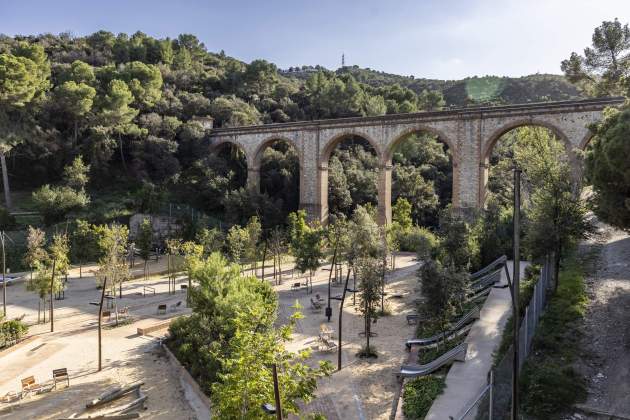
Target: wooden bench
<point>60,375</point>
<point>296,286</point>
<point>412,319</point>
<point>184,287</point>
<point>149,289</point>
<point>161,308</point>
<point>29,386</point>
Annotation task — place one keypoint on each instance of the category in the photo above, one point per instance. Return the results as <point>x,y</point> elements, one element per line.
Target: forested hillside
<point>128,106</point>
<point>487,90</point>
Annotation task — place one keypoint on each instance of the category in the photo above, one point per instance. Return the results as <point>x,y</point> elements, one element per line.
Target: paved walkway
<point>465,381</point>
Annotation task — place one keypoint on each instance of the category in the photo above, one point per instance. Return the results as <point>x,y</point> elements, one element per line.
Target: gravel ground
<point>606,342</point>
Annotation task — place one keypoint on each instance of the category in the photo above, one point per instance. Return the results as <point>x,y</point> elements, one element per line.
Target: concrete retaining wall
<point>194,395</point>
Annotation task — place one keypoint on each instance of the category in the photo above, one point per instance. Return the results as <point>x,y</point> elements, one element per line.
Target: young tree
<point>144,242</point>
<point>277,245</point>
<point>193,253</point>
<point>306,244</point>
<point>246,382</point>
<point>608,166</point>
<point>556,215</point>
<point>211,239</point>
<point>35,252</point>
<point>113,241</point>
<point>370,286</point>
<point>252,249</point>
<point>50,270</point>
<point>237,240</point>
<point>76,175</point>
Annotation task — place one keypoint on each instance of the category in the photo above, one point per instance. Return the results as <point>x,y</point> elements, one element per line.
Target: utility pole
<point>276,391</point>
<point>515,290</point>
<point>4,277</point>
<point>100,324</point>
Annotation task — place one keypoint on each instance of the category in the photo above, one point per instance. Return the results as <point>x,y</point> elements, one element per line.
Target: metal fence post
<point>491,394</point>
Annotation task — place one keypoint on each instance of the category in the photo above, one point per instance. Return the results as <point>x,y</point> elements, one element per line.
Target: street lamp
<point>277,409</point>
<point>516,272</point>
<point>100,318</point>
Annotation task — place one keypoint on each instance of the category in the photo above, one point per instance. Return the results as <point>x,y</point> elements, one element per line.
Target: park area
<point>365,386</point>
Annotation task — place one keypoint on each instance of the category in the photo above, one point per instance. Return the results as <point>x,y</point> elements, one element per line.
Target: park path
<point>606,339</point>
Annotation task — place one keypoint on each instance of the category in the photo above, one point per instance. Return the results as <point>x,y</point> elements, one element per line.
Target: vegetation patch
<point>419,393</point>
<point>11,332</point>
<point>550,386</point>
<point>428,355</point>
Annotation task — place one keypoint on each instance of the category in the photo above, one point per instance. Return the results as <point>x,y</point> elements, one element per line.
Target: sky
<point>443,39</point>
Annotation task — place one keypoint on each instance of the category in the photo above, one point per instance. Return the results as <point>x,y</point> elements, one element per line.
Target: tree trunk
<point>5,182</point>
<point>343,298</point>
<point>122,154</point>
<point>100,321</point>
<point>52,283</point>
<point>556,268</point>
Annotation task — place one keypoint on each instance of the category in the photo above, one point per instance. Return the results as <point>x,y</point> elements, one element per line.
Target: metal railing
<point>494,400</point>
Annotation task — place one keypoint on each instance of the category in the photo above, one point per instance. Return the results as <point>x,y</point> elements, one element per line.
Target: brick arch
<point>267,142</point>
<point>392,144</point>
<point>528,122</point>
<point>214,147</point>
<point>334,141</point>
<point>586,140</point>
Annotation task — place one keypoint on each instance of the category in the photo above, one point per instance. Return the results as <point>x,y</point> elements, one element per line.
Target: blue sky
<point>444,39</point>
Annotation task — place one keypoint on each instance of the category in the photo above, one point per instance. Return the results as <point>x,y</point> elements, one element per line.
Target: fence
<point>495,400</point>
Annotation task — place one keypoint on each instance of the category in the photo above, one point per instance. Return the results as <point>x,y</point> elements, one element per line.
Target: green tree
<point>76,175</point>
<point>608,169</point>
<point>604,69</point>
<point>55,203</point>
<point>246,381</point>
<point>144,242</point>
<point>237,240</point>
<point>113,242</point>
<point>370,285</point>
<point>35,252</point>
<point>23,77</point>
<point>252,248</point>
<point>306,244</point>
<point>50,270</point>
<point>556,216</point>
<point>211,240</point>
<point>84,243</point>
<point>74,100</point>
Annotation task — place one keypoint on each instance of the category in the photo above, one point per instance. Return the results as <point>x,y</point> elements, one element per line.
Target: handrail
<point>472,405</point>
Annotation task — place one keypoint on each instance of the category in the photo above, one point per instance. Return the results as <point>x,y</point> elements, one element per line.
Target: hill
<point>476,90</point>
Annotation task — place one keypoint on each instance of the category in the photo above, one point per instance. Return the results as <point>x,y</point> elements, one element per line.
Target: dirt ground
<point>362,390</point>
<point>606,341</point>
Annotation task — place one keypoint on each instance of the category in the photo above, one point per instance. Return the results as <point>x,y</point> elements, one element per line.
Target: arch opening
<point>351,168</point>
<point>279,164</point>
<point>517,147</point>
<point>422,175</point>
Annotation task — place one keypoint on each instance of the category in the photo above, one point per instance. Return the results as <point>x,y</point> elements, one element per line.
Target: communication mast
<point>343,60</point>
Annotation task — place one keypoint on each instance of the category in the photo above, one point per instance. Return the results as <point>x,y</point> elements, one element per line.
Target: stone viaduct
<point>470,134</point>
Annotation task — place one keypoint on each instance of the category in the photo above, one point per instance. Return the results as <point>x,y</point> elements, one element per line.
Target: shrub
<point>417,239</point>
<point>11,331</point>
<point>56,202</point>
<point>550,385</point>
<point>419,393</point>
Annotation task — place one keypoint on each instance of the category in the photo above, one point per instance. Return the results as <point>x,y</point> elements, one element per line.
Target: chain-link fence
<point>494,402</point>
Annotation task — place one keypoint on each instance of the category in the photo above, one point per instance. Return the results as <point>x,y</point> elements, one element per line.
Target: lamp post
<point>277,409</point>
<point>100,317</point>
<point>516,271</point>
